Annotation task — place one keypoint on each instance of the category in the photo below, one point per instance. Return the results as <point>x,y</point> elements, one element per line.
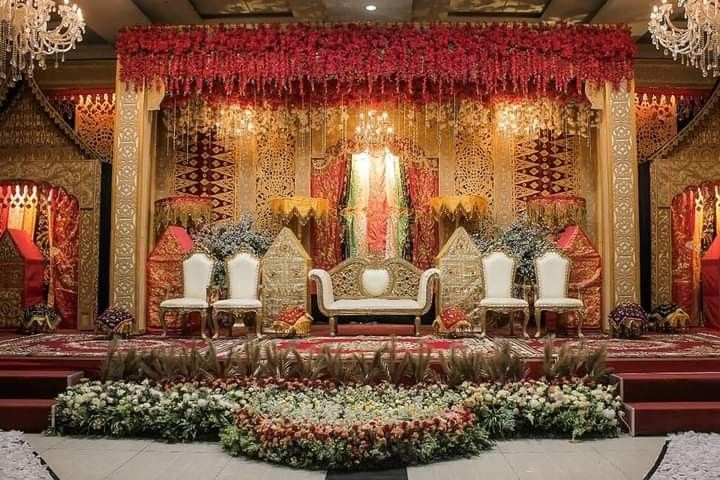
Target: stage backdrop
<point>443,149</point>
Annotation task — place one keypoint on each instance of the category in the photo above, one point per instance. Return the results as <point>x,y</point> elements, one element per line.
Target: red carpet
<point>699,346</point>
<point>367,345</point>
<point>81,345</point>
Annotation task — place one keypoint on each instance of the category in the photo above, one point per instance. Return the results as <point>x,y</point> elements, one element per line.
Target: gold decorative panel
<point>656,123</point>
<point>474,162</point>
<point>624,207</point>
<point>36,144</point>
<point>690,159</point>
<point>125,178</point>
<point>284,272</point>
<point>460,267</point>
<point>95,123</point>
<point>275,175</point>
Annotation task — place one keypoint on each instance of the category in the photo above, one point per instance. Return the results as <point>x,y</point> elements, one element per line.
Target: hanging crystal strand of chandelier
<point>698,43</point>
<point>26,39</point>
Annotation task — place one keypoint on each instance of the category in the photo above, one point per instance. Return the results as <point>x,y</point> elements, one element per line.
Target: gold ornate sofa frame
<point>193,300</point>
<point>498,285</point>
<point>555,298</point>
<point>374,285</point>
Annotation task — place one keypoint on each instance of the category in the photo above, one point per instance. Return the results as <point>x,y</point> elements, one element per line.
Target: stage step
<point>669,386</point>
<point>657,403</point>
<point>36,383</point>
<point>659,418</point>
<point>25,414</point>
<point>27,396</point>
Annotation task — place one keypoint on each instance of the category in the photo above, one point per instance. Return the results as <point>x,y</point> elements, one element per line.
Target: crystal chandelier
<point>374,129</point>
<point>234,122</point>
<point>698,43</point>
<point>224,123</point>
<point>26,38</point>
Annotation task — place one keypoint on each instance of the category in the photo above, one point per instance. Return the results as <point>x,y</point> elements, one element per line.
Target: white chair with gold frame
<point>243,273</point>
<point>197,271</point>
<point>552,270</point>
<point>498,271</point>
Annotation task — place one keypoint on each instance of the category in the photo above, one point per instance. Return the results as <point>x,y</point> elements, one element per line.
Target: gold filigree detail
<point>284,272</point>
<point>275,175</point>
<point>624,167</point>
<point>460,265</point>
<point>125,200</point>
<point>35,146</point>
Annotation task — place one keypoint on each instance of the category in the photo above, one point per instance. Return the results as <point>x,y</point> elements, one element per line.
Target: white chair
<point>552,270</point>
<point>243,274</point>
<point>197,275</point>
<point>498,270</point>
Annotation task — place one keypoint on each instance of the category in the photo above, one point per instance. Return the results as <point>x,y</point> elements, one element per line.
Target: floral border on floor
<point>326,425</point>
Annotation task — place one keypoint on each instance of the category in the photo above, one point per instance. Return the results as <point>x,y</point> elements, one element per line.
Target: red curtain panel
<point>64,256</point>
<point>684,264</point>
<point>330,181</point>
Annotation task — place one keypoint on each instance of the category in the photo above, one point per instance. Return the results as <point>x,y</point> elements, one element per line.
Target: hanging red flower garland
<point>327,62</point>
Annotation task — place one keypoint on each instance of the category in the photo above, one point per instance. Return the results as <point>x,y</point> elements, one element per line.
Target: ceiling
<point>105,18</point>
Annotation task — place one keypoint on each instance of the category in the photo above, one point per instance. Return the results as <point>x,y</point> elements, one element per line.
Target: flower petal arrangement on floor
<point>332,413</point>
<point>18,461</point>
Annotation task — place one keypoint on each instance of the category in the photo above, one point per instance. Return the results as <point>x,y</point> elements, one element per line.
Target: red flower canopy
<point>333,62</point>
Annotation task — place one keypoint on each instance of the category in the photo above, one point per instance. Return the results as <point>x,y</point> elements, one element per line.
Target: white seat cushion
<point>184,303</point>
<point>238,303</point>
<point>503,302</point>
<point>375,304</point>
<point>558,302</point>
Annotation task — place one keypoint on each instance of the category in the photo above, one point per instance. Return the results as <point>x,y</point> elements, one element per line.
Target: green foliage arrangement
<point>526,240</point>
<point>224,239</point>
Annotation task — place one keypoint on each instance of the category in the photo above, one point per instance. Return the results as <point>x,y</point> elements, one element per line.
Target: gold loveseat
<point>374,286</point>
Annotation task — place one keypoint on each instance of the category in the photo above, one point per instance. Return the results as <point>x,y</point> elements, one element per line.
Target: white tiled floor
<point>623,458</point>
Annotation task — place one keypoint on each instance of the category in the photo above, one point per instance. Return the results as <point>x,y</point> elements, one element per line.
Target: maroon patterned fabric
<point>65,255</point>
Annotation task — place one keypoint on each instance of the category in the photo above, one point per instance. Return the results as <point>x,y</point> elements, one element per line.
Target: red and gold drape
<point>422,185</point>
<point>329,181</point>
<point>51,216</point>
<point>64,256</point>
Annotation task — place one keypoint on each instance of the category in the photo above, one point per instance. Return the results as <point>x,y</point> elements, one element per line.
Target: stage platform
<point>698,350</point>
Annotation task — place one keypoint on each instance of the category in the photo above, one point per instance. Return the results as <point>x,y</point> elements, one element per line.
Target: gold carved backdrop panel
<point>35,144</point>
<point>474,163</point>
<point>284,272</point>
<point>692,158</point>
<point>625,201</point>
<point>95,122</point>
<point>275,175</point>
<point>460,264</point>
<point>656,123</point>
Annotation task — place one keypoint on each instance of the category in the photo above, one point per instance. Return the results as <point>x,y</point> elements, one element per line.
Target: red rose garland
<point>328,63</point>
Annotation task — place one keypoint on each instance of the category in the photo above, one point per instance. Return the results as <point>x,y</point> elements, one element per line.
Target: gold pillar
<point>131,197</point>
<point>618,233</point>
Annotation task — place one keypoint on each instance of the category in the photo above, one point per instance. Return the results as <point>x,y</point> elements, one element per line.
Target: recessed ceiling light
<point>370,8</point>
